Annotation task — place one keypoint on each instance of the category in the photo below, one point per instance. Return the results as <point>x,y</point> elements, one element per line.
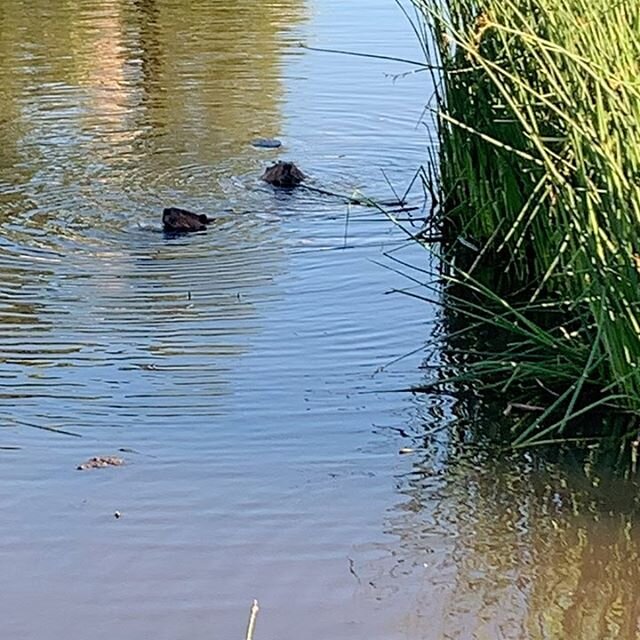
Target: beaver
<point>283,174</point>
<point>176,220</point>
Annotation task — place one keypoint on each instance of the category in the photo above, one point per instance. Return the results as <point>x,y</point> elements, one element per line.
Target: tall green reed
<point>538,107</point>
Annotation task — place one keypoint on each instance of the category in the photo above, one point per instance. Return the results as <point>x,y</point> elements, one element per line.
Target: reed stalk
<point>538,119</point>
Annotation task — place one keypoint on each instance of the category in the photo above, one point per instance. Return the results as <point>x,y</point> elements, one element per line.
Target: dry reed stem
<point>253,614</point>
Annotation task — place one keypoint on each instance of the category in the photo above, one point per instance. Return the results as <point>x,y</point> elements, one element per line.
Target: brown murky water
<point>240,373</point>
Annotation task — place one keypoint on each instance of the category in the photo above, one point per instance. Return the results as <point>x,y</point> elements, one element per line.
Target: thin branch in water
<point>404,292</point>
<point>386,179</point>
<point>545,388</point>
<point>253,614</point>
<point>405,244</point>
<point>411,183</point>
<point>362,201</point>
<point>519,406</point>
<point>401,273</point>
<point>409,265</point>
<point>385,366</point>
<point>427,239</point>
<point>400,76</point>
<point>352,570</point>
<point>346,226</point>
<point>52,429</point>
<point>420,120</point>
<point>374,56</point>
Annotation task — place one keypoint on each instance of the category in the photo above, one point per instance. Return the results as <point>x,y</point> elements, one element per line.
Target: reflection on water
<point>492,545</point>
<point>118,99</point>
<point>241,370</point>
<point>119,109</point>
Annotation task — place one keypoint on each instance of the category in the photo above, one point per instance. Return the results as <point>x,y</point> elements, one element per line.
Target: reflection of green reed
<point>543,547</point>
<point>539,112</point>
<point>552,548</point>
<point>562,546</point>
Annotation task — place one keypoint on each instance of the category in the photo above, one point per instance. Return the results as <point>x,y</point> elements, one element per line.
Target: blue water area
<point>241,370</point>
<point>253,378</point>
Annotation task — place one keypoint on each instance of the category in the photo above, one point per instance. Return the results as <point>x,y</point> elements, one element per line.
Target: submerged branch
<point>253,614</point>
<point>358,54</point>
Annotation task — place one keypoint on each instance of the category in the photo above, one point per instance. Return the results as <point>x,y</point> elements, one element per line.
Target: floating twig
<point>100,462</point>
<point>52,429</point>
<point>352,570</point>
<point>362,201</point>
<point>253,614</point>
<point>358,54</point>
<point>520,406</point>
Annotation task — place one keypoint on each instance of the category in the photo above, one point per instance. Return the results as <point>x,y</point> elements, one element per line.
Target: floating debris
<point>266,143</point>
<point>406,450</point>
<point>100,462</point>
<point>519,406</point>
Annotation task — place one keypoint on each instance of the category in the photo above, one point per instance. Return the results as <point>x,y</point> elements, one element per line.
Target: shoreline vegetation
<point>538,117</point>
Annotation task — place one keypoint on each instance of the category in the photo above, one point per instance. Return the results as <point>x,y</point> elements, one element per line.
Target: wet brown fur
<point>283,174</point>
<point>176,220</point>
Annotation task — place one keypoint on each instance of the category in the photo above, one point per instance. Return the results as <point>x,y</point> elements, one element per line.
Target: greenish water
<point>243,370</point>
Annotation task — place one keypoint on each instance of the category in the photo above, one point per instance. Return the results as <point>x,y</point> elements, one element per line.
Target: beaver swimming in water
<point>283,174</point>
<point>176,220</point>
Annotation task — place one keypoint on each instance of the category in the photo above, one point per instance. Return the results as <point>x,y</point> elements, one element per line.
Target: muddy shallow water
<point>241,373</point>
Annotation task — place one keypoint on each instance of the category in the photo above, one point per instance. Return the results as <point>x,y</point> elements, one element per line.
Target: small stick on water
<point>416,63</point>
<point>364,201</point>
<point>52,429</point>
<point>346,226</point>
<point>253,614</point>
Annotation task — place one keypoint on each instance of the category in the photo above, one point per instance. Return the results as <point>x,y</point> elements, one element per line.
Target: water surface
<point>246,371</point>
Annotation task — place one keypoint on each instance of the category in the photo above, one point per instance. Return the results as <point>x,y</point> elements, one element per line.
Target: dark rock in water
<point>283,174</point>
<point>266,143</point>
<point>175,220</point>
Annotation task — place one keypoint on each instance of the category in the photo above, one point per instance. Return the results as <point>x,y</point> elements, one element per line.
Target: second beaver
<point>283,174</point>
<point>176,220</point>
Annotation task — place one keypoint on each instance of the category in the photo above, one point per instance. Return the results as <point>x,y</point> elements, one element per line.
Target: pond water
<point>247,374</point>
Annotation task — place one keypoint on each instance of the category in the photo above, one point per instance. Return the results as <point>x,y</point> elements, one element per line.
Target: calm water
<point>243,370</point>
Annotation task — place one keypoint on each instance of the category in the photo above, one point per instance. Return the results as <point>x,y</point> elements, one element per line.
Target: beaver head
<point>176,220</point>
<point>283,174</point>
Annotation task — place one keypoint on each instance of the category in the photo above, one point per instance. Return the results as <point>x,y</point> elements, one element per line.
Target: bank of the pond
<point>539,136</point>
